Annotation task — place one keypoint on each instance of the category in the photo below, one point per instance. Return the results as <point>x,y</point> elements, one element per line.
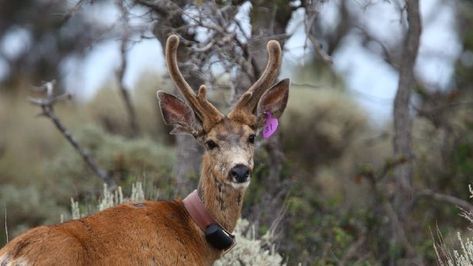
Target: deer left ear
<point>273,101</point>
<point>177,113</point>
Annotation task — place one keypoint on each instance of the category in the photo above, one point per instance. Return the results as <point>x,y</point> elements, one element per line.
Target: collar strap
<point>215,234</point>
<point>197,210</point>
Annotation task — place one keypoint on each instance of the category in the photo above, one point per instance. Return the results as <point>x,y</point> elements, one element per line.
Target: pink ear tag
<point>270,125</point>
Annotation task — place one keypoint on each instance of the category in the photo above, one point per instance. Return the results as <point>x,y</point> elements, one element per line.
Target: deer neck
<point>222,200</point>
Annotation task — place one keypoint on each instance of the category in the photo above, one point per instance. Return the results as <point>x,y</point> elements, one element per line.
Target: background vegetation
<point>327,186</point>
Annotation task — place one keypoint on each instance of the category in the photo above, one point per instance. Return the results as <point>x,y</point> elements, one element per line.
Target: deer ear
<point>177,113</point>
<point>273,101</point>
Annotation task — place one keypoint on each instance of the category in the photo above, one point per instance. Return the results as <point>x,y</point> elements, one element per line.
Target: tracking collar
<point>215,234</point>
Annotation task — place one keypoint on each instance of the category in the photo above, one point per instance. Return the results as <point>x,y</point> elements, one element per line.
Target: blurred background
<point>375,150</point>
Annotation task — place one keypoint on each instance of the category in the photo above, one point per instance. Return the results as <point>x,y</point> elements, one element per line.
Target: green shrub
<point>125,159</point>
<point>319,126</point>
<point>26,207</point>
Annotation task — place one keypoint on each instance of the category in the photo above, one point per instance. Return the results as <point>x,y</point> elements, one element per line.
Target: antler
<point>248,101</point>
<point>206,112</point>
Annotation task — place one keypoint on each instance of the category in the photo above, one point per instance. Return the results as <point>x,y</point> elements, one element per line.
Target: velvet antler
<point>246,105</point>
<point>205,111</point>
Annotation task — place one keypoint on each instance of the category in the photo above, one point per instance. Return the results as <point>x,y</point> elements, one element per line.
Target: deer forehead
<point>229,131</point>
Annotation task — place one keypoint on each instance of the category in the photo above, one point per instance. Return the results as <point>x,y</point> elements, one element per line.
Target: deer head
<point>229,140</point>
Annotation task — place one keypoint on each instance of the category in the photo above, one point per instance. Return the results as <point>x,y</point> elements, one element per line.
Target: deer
<point>196,230</point>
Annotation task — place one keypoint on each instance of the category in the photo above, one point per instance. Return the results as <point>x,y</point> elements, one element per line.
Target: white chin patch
<point>237,185</point>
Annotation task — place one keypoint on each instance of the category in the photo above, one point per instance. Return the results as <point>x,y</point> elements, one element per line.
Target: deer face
<point>229,140</point>
<point>229,147</point>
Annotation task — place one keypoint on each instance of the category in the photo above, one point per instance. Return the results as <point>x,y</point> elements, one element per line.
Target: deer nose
<point>240,173</point>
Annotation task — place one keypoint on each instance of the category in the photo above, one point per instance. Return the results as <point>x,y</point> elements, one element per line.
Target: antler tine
<point>214,115</point>
<point>207,113</point>
<point>250,98</point>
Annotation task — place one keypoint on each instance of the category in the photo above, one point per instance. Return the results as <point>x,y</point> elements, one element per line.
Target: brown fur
<point>156,233</point>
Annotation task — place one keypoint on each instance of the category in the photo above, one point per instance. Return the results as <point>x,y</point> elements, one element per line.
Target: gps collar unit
<point>215,234</point>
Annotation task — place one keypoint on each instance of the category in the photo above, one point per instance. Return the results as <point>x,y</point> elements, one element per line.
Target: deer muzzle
<point>240,173</point>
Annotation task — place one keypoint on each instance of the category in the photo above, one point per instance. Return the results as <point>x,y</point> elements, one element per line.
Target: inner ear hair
<point>177,114</point>
<point>274,100</point>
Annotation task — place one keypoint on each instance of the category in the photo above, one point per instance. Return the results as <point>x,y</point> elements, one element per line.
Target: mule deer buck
<point>193,231</point>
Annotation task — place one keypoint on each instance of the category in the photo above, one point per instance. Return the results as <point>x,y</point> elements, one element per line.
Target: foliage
<point>251,250</point>
<point>324,119</point>
<point>27,206</point>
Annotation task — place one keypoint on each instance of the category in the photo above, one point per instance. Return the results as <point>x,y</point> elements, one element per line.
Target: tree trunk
<point>402,141</point>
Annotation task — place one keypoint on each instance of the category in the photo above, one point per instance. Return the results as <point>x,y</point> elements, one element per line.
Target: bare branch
<point>353,250</point>
<point>375,179</point>
<point>321,52</point>
<point>72,11</point>
<point>6,224</point>
<point>47,106</point>
<point>312,13</point>
<point>445,198</point>
<point>387,53</point>
<point>398,228</point>
<point>122,69</point>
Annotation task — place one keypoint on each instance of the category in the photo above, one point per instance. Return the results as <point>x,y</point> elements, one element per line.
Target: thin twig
<point>309,85</point>
<point>353,250</point>
<point>6,225</point>
<point>321,52</point>
<point>72,11</point>
<point>311,16</point>
<point>47,107</point>
<point>396,222</point>
<point>375,176</point>
<point>398,227</point>
<point>445,198</point>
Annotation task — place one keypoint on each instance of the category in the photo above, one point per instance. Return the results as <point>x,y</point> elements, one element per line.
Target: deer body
<point>150,233</point>
<point>163,232</point>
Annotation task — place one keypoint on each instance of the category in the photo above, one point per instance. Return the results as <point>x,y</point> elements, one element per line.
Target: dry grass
<point>462,255</point>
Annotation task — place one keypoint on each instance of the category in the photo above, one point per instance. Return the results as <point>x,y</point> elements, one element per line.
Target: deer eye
<point>251,138</point>
<point>210,144</point>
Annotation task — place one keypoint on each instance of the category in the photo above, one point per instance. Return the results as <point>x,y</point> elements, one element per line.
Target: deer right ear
<point>177,114</point>
<point>274,100</point>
